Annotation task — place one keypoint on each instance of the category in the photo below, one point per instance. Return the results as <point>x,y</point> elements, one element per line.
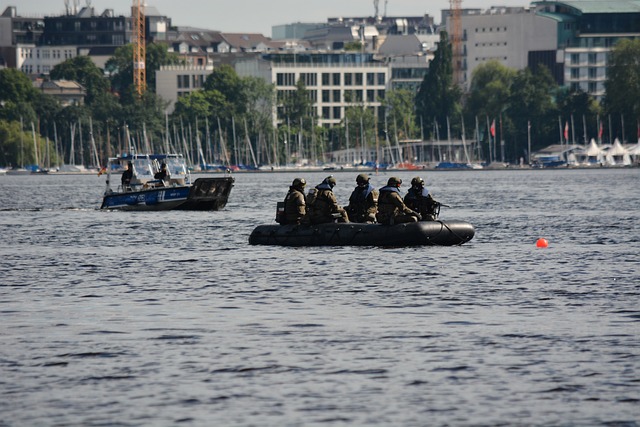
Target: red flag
<point>493,128</point>
<point>600,131</point>
<point>566,131</point>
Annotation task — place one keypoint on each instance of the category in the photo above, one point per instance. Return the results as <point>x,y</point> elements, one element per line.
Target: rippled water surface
<point>164,319</point>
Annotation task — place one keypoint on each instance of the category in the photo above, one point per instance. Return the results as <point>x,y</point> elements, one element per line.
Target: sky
<point>256,16</point>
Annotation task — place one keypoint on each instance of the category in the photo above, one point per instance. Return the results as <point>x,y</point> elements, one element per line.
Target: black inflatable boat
<point>429,233</point>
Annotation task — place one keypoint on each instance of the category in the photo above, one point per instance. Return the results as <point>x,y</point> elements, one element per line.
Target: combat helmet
<point>330,180</point>
<point>394,182</point>
<point>417,182</point>
<point>362,179</point>
<point>299,183</point>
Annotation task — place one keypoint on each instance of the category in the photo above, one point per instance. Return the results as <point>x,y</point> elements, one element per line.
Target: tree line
<point>231,117</point>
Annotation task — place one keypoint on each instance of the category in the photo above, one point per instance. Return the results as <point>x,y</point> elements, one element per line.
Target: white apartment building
<point>175,81</point>
<point>504,34</point>
<point>37,60</point>
<point>585,68</point>
<point>333,88</point>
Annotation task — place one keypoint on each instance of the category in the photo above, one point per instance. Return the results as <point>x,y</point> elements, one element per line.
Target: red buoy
<point>542,243</point>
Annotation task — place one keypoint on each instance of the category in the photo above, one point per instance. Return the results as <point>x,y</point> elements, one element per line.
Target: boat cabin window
<point>143,169</point>
<point>176,167</point>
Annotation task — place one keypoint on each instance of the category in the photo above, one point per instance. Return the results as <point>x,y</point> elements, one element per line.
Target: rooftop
<point>596,6</point>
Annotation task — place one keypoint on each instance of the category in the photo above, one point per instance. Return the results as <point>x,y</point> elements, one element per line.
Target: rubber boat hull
<point>206,194</point>
<point>424,233</point>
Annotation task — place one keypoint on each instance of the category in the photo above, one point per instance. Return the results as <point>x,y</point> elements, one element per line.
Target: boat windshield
<point>176,167</point>
<point>143,169</point>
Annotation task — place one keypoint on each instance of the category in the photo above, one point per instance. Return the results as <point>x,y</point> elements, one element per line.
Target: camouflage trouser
<point>397,219</point>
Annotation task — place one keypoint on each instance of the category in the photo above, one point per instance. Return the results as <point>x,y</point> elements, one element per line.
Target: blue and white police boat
<point>176,191</point>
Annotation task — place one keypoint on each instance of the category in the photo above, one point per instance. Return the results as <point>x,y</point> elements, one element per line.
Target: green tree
<point>623,85</point>
<point>226,81</point>
<point>15,86</point>
<point>490,90</point>
<point>83,70</point>
<point>580,106</point>
<point>353,46</point>
<point>192,106</point>
<point>16,148</point>
<point>120,66</point>
<point>531,101</point>
<point>16,96</point>
<point>360,122</point>
<point>296,105</point>
<point>260,97</point>
<point>400,106</point>
<point>438,96</point>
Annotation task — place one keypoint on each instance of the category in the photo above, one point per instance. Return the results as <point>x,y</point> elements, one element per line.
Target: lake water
<point>165,319</point>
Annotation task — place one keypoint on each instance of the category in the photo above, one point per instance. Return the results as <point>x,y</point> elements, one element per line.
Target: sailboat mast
<point>35,144</point>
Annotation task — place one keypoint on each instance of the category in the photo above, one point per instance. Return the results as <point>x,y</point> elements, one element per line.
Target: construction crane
<point>139,47</point>
<point>455,12</point>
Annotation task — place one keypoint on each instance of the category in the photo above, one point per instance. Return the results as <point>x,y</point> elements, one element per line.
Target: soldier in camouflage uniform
<point>420,200</point>
<point>322,206</point>
<point>391,208</point>
<point>295,207</point>
<point>363,203</point>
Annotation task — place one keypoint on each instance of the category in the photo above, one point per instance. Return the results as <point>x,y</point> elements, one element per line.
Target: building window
<point>593,73</point>
<point>286,79</point>
<point>575,73</point>
<point>371,78</point>
<point>183,81</point>
<point>326,111</point>
<point>371,95</point>
<point>593,58</point>
<point>326,79</point>
<point>593,87</point>
<point>381,79</point>
<point>575,58</point>
<point>336,79</point>
<point>336,95</point>
<point>358,79</point>
<point>326,96</point>
<point>336,113</point>
<point>309,79</point>
<point>348,79</point>
<point>197,81</point>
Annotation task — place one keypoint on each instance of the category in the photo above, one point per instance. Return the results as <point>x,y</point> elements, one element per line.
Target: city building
<point>334,80</point>
<point>516,37</point>
<point>65,91</point>
<point>175,81</point>
<point>40,60</point>
<point>17,30</point>
<point>587,31</point>
<point>572,38</point>
<point>36,45</point>
<point>293,31</point>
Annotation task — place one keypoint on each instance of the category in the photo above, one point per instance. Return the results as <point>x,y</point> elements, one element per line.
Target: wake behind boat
<point>145,192</point>
<point>423,233</point>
